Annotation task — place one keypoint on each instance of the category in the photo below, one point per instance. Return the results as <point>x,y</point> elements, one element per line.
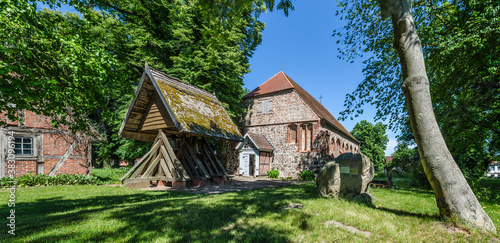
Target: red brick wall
<point>71,166</point>
<point>36,121</point>
<point>53,145</point>
<point>23,167</point>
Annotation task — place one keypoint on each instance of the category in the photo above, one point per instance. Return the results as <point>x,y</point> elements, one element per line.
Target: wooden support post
<point>207,154</point>
<point>217,160</point>
<point>197,161</point>
<point>171,153</point>
<point>151,167</point>
<point>146,156</point>
<point>63,159</point>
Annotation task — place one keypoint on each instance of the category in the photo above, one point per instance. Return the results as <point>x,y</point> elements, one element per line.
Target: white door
<point>244,164</point>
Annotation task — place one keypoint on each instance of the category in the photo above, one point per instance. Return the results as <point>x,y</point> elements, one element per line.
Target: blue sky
<point>303,47</point>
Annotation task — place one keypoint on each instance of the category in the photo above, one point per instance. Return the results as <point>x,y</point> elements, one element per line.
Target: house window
<point>292,134</point>
<point>23,145</point>
<point>265,106</point>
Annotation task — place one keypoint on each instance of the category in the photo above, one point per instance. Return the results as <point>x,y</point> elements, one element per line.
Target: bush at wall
<point>273,174</point>
<point>46,180</point>
<point>306,175</point>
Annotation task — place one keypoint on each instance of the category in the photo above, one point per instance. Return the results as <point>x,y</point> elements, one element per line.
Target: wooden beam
<point>217,160</point>
<point>164,167</point>
<point>184,163</point>
<point>190,161</point>
<point>172,154</point>
<point>136,165</point>
<point>170,164</point>
<point>197,161</point>
<point>154,178</point>
<point>207,154</point>
<point>138,135</point>
<point>63,159</point>
<point>151,167</point>
<point>146,162</point>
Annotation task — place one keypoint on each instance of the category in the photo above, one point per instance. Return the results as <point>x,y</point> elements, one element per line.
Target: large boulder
<point>328,180</point>
<point>356,173</point>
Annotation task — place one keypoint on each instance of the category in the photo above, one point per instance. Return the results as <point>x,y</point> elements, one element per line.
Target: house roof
<point>259,140</point>
<point>165,102</point>
<point>281,82</point>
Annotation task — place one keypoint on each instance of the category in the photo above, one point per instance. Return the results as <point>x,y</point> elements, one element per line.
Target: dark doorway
<point>251,166</point>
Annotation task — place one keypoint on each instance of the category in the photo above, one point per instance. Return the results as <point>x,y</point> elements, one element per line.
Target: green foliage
<point>273,174</point>
<point>46,180</point>
<point>85,66</point>
<point>373,141</point>
<point>110,175</point>
<point>408,160</point>
<point>486,189</point>
<point>69,75</point>
<point>461,44</point>
<point>306,175</point>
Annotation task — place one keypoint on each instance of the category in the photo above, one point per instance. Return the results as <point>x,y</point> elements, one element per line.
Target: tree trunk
<point>454,197</point>
<point>389,178</point>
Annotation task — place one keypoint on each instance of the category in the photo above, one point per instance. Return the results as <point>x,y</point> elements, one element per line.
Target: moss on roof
<point>198,113</point>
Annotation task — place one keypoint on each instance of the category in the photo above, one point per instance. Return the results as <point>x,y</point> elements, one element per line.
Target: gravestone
<point>349,176</point>
<point>328,180</point>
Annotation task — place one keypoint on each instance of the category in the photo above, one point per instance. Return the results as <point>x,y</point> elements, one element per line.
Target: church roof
<point>164,102</point>
<point>281,82</point>
<point>259,140</point>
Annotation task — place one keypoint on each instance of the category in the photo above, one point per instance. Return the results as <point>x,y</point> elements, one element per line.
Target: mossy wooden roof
<point>167,103</point>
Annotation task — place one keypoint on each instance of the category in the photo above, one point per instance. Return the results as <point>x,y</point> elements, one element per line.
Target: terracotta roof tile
<point>281,81</point>
<point>261,142</point>
<point>277,83</point>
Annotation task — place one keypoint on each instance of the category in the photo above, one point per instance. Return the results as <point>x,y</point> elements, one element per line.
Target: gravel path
<point>238,183</point>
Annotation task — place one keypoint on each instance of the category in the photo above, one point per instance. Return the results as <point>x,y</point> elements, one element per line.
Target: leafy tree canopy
<point>62,74</point>
<point>461,45</point>
<point>373,141</point>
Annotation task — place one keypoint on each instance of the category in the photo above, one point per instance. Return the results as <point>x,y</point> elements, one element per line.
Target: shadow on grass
<point>174,216</point>
<point>410,214</point>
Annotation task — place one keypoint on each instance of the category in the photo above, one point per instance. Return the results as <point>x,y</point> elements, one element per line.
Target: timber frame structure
<point>177,117</point>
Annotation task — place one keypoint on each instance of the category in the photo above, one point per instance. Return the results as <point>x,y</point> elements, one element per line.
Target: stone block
<point>198,182</point>
<point>179,184</point>
<point>328,180</point>
<point>137,184</point>
<point>219,180</point>
<point>356,173</point>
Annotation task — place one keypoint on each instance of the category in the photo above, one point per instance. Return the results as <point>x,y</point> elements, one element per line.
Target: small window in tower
<point>292,134</point>
<point>265,106</point>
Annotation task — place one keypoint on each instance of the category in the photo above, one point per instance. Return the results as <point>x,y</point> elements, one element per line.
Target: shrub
<point>306,175</point>
<point>46,180</point>
<point>273,174</point>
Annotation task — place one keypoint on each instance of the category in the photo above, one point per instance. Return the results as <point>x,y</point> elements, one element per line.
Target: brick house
<point>40,148</point>
<point>303,133</point>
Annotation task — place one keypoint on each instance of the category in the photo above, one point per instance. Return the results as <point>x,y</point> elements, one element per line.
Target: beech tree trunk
<point>454,197</point>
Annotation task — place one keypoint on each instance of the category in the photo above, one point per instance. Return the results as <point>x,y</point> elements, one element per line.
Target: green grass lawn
<point>110,175</point>
<point>117,214</point>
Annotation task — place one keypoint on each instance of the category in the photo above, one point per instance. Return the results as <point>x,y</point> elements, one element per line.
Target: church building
<point>289,130</point>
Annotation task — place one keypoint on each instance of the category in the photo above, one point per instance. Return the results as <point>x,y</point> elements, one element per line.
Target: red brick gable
<point>278,82</point>
<point>281,81</point>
